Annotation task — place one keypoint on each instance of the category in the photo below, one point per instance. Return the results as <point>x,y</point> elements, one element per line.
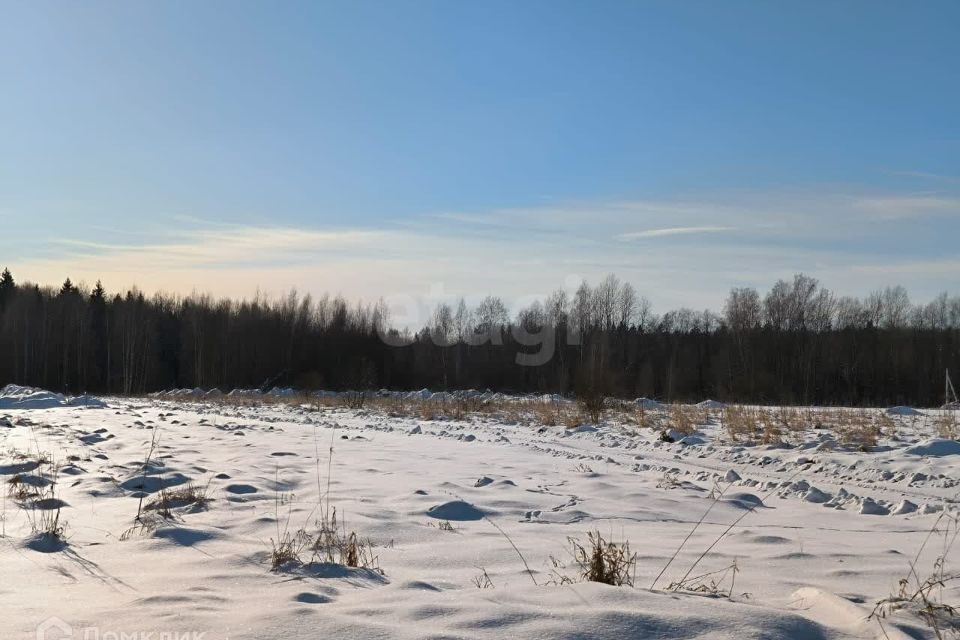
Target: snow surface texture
<point>827,531</point>
<point>903,411</point>
<point>16,397</point>
<point>423,394</point>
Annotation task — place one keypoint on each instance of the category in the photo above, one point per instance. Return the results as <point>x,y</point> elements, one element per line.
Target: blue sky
<point>432,148</point>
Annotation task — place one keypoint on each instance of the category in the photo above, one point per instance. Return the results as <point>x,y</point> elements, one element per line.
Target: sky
<point>437,149</point>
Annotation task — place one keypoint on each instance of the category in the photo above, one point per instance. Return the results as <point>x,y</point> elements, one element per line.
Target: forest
<point>797,343</point>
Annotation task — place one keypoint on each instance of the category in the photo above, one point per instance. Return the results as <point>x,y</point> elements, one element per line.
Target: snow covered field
<point>827,530</point>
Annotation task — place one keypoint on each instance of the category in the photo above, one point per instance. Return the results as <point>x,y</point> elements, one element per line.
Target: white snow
<point>711,404</point>
<point>935,447</point>
<point>17,397</point>
<point>824,534</point>
<point>903,411</point>
<point>647,403</point>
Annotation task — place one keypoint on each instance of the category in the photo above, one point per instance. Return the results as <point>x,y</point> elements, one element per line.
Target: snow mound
<point>583,428</point>
<point>16,397</point>
<point>816,496</point>
<point>935,448</point>
<point>45,543</point>
<point>647,403</point>
<point>835,611</point>
<point>86,401</point>
<point>903,411</point>
<point>457,510</point>
<point>870,507</point>
<point>710,404</point>
<point>904,507</point>
<point>745,500</point>
<point>592,610</point>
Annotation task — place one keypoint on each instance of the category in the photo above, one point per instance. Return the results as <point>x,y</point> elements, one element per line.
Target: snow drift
<point>16,397</point>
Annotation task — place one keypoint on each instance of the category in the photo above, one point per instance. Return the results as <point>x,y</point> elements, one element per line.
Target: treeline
<point>798,343</point>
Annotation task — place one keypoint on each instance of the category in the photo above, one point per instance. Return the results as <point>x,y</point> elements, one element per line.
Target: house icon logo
<point>54,629</point>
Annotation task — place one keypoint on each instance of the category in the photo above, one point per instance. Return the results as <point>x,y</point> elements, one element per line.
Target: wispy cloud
<point>731,239</point>
<point>911,206</point>
<point>195,248</point>
<point>915,268</point>
<point>924,175</point>
<point>671,231</point>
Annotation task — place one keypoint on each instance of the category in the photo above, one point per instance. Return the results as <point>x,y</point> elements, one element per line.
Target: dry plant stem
<point>522,559</point>
<point>939,616</point>
<point>714,586</point>
<point>316,456</point>
<point>933,529</point>
<point>689,535</point>
<point>727,530</point>
<point>146,464</point>
<point>483,580</point>
<point>326,507</point>
<point>604,562</point>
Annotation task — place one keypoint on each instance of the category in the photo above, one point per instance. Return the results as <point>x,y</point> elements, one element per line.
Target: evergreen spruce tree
<point>98,295</point>
<point>99,335</point>
<point>7,288</point>
<point>67,287</point>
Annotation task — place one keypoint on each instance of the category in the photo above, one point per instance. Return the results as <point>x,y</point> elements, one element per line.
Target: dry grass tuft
<point>483,580</point>
<point>287,550</point>
<point>45,521</point>
<point>684,419</point>
<point>887,425</point>
<point>860,434</point>
<point>924,598</point>
<point>741,423</point>
<point>714,584</point>
<point>604,561</point>
<point>333,545</point>
<point>554,414</point>
<point>446,526</point>
<point>189,495</point>
<point>592,405</point>
<point>20,490</point>
<point>946,424</point>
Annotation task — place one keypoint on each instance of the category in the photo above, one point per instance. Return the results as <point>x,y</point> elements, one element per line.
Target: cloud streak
<point>912,206</point>
<point>739,239</point>
<point>178,249</point>
<point>671,231</point>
